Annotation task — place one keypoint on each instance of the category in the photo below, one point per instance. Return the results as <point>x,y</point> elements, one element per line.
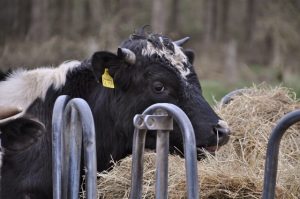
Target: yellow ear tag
<point>107,80</point>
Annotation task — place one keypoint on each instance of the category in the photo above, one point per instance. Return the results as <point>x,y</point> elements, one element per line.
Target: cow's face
<point>151,69</point>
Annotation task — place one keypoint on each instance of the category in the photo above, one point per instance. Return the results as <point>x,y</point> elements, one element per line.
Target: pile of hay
<point>236,171</point>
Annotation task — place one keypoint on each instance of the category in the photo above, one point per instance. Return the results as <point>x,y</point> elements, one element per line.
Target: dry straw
<point>236,171</point>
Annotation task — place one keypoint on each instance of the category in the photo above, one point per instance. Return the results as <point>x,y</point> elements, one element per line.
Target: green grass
<point>214,90</point>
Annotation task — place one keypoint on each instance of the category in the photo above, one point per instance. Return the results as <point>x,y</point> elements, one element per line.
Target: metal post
<point>272,152</point>
<point>74,139</point>
<point>160,121</point>
<point>137,163</point>
<point>162,151</point>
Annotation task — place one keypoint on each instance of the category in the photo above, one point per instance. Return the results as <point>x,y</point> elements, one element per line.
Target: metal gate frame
<point>72,124</point>
<point>68,114</point>
<point>159,117</point>
<point>271,163</point>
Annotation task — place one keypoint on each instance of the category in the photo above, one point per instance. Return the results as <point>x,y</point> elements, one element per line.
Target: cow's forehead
<point>174,56</point>
<point>154,45</point>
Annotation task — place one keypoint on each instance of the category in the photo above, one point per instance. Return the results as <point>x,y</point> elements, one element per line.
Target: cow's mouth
<point>210,149</point>
<point>203,151</point>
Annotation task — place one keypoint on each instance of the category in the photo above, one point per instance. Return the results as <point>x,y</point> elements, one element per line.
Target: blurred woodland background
<point>236,42</point>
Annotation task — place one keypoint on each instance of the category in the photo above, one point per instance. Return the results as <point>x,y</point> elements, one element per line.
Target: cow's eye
<point>158,87</point>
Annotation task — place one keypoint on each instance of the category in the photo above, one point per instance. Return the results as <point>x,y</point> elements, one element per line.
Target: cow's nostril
<point>222,129</point>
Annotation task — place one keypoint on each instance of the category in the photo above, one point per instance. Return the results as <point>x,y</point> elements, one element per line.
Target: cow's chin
<point>202,152</point>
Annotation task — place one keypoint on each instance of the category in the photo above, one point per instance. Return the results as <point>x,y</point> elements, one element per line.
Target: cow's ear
<point>190,55</point>
<point>21,133</point>
<point>102,60</point>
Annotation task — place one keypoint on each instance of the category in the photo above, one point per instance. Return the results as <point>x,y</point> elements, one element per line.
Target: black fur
<point>27,173</point>
<point>3,75</point>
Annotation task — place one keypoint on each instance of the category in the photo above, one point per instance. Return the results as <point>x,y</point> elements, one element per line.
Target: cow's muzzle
<point>222,133</point>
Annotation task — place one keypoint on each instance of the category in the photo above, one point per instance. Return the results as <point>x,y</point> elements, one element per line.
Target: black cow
<point>148,68</point>
<point>3,75</point>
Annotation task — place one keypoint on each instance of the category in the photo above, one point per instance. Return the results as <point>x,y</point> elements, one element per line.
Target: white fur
<point>223,124</point>
<point>177,59</point>
<point>22,87</point>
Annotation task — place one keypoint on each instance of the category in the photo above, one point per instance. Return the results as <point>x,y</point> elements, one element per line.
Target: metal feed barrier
<point>272,152</point>
<point>67,135</point>
<point>73,121</point>
<point>159,117</point>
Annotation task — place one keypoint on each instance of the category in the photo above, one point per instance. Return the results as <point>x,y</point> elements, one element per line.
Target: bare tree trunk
<point>39,29</point>
<point>6,18</point>
<point>159,16</point>
<point>250,20</point>
<point>78,17</point>
<point>174,16</point>
<point>223,32</point>
<point>210,20</point>
<point>66,17</point>
<point>231,68</point>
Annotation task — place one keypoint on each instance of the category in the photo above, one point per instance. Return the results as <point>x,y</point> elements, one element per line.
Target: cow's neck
<point>111,137</point>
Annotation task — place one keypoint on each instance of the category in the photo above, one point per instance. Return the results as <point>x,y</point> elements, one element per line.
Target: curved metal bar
<point>80,108</point>
<point>189,141</point>
<point>57,124</point>
<point>189,150</point>
<point>228,97</point>
<point>272,152</point>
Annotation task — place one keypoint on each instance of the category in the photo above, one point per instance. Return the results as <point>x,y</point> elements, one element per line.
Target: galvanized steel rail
<point>272,152</point>
<point>159,117</point>
<point>72,121</point>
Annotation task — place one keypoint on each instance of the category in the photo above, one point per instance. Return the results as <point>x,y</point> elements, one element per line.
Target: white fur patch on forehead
<point>177,59</point>
<point>22,87</point>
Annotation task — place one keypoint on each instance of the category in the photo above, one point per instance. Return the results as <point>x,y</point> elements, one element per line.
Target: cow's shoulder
<point>22,87</point>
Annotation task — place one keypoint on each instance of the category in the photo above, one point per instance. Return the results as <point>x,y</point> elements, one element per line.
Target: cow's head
<point>150,68</point>
<point>18,131</point>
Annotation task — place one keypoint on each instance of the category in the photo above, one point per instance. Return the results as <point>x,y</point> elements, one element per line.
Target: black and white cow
<point>148,68</point>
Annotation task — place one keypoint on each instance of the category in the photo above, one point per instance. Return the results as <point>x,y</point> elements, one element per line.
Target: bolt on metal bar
<point>272,152</point>
<point>66,179</point>
<point>142,124</point>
